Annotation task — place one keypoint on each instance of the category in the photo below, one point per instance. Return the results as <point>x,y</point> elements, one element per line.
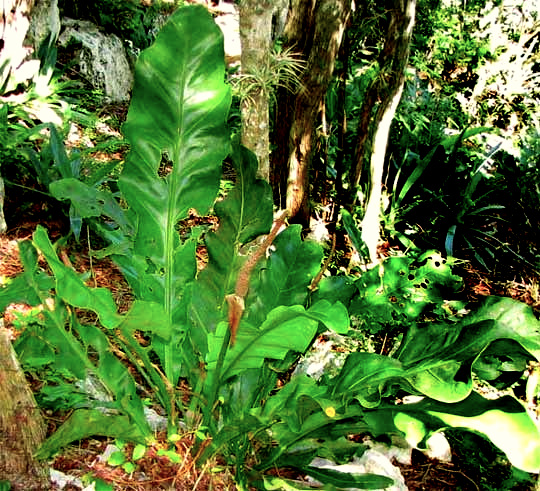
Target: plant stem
<point>215,376</point>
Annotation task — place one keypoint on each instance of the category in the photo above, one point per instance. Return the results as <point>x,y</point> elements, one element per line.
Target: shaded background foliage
<point>455,59</point>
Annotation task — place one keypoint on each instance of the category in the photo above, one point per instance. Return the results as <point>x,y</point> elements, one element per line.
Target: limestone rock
<point>44,21</point>
<point>371,462</point>
<point>228,20</point>
<point>438,448</point>
<point>102,58</point>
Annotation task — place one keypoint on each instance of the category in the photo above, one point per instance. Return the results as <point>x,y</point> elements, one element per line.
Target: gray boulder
<point>102,58</point>
<point>44,21</point>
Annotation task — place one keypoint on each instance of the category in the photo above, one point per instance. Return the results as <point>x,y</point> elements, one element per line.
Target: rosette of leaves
<point>179,109</point>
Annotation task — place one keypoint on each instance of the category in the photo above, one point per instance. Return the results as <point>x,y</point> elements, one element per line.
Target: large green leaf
<point>311,426</point>
<point>284,278</point>
<point>179,108</point>
<point>332,316</point>
<point>344,480</point>
<point>57,340</point>
<point>402,288</point>
<point>88,422</point>
<point>144,316</point>
<point>283,403</point>
<point>242,371</point>
<point>74,345</point>
<point>512,320</point>
<point>336,288</point>
<point>504,421</point>
<point>366,377</point>
<point>502,363</point>
<point>288,410</point>
<point>437,360</point>
<point>71,288</point>
<point>44,341</point>
<point>285,329</point>
<point>25,287</point>
<point>88,201</point>
<point>176,127</point>
<point>243,215</point>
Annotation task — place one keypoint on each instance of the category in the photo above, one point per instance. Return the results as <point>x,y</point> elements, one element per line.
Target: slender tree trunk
<point>316,28</point>
<point>256,38</point>
<point>3,225</point>
<point>371,221</point>
<point>296,34</point>
<point>280,155</point>
<point>390,87</point>
<point>396,46</point>
<point>341,128</point>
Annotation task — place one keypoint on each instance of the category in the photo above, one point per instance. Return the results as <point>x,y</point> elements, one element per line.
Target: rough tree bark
<point>385,93</point>
<point>256,39</point>
<point>22,428</point>
<point>315,28</point>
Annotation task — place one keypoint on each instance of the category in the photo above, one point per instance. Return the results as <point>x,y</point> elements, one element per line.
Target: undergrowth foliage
<point>179,109</point>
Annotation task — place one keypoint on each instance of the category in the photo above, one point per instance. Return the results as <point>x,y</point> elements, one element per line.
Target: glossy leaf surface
<point>176,127</point>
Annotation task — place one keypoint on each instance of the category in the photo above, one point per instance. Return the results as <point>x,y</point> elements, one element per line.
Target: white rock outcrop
<point>102,58</point>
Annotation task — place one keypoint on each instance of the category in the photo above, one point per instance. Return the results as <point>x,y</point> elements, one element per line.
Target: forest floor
<point>476,464</point>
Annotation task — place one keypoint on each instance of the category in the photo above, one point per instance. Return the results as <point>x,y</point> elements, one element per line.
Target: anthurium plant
<point>233,329</point>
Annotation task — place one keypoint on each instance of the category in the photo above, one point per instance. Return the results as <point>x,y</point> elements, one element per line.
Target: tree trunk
<point>341,114</point>
<point>397,39</point>
<point>315,28</point>
<point>3,225</point>
<point>256,38</point>
<point>389,89</point>
<point>371,221</point>
<point>22,428</point>
<point>44,23</point>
